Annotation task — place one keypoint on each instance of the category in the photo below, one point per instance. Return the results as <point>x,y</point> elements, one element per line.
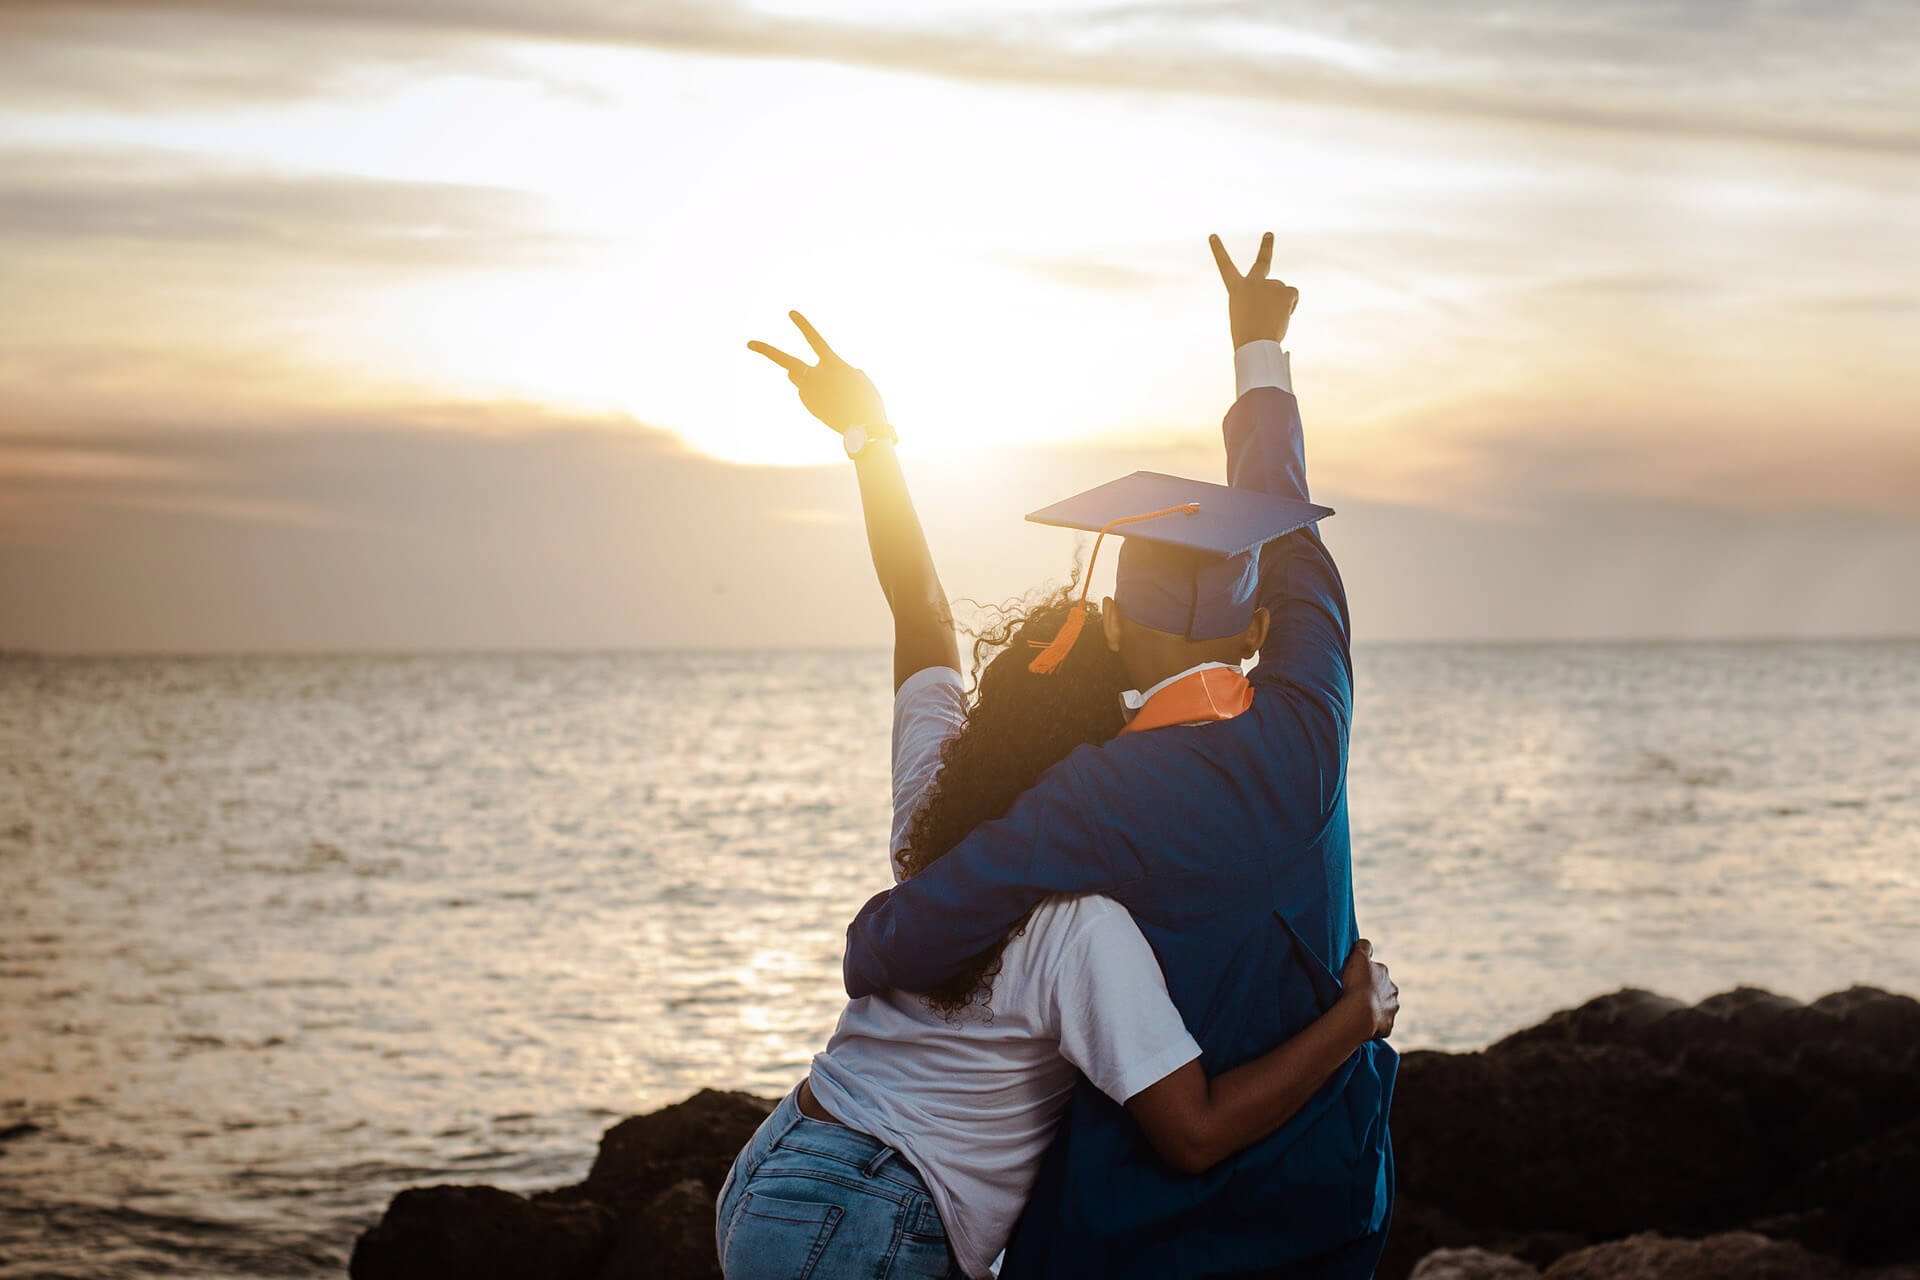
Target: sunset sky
<point>342,324</point>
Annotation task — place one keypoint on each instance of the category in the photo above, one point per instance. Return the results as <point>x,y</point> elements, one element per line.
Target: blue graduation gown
<point>1228,842</point>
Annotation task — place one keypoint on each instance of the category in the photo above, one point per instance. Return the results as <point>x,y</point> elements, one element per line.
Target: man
<point>1220,823</point>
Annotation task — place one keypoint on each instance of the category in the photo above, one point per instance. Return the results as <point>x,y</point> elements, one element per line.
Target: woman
<point>911,1146</point>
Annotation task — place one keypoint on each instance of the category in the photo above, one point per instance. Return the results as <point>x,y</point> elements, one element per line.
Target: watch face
<point>855,440</point>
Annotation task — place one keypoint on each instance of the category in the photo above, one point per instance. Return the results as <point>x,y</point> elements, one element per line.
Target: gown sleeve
<point>923,931</point>
<point>1306,663</point>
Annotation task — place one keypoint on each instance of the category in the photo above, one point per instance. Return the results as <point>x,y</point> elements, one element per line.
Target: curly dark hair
<point>1019,726</point>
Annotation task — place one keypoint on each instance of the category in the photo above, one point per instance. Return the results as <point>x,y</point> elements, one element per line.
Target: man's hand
<point>833,390</point>
<point>1366,986</point>
<point>1257,308</point>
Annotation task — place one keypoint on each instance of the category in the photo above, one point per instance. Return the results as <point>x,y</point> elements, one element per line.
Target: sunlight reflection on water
<point>284,935</point>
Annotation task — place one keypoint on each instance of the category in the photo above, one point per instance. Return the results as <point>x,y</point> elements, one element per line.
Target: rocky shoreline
<point>1745,1136</point>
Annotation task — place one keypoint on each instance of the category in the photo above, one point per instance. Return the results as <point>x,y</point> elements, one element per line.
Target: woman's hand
<point>1195,1122</point>
<point>1365,985</point>
<point>843,397</point>
<point>833,390</point>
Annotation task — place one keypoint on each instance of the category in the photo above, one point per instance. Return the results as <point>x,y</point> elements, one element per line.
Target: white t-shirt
<point>973,1103</point>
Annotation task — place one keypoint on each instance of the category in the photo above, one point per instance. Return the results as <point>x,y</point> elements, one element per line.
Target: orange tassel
<point>1055,651</point>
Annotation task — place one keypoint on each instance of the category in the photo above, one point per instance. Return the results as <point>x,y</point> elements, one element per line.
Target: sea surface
<point>281,936</point>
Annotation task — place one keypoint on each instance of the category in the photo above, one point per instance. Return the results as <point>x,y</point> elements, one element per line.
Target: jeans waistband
<point>790,1129</point>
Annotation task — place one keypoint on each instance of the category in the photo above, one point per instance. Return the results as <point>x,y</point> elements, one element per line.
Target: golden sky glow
<point>1658,257</point>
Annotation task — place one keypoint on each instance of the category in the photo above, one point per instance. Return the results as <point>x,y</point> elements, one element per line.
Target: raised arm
<point>1269,453</point>
<point>845,399</point>
<point>1195,1122</point>
<point>1307,645</point>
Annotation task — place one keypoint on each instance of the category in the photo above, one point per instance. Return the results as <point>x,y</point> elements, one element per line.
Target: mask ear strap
<point>1053,652</point>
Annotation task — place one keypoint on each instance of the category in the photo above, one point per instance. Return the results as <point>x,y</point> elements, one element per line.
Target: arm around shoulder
<point>923,931</point>
<point>1194,1122</point>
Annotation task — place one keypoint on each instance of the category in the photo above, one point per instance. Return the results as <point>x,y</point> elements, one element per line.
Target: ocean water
<point>280,936</point>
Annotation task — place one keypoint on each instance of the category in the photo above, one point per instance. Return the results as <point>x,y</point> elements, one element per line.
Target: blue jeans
<point>811,1199</point>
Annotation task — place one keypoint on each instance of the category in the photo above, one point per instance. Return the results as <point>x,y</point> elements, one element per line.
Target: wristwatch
<point>856,439</point>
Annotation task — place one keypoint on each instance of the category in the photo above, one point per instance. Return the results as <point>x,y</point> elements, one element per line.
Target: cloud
<point>1805,73</point>
<point>1637,285</point>
<point>1889,305</point>
<point>1517,456</point>
<point>1097,274</point>
<point>1605,567</point>
<point>135,57</point>
<point>150,198</point>
<point>493,526</point>
<point>1790,473</point>
<point>428,527</point>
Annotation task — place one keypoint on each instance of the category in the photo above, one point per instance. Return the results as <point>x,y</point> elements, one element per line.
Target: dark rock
<point>1738,1255</point>
<point>1622,1017</point>
<point>672,1236</point>
<point>695,1140</point>
<point>1747,1017</point>
<point>1875,1019</point>
<point>1634,1112</point>
<point>1417,1231</point>
<point>1798,1117</point>
<point>1472,1264</point>
<point>1542,1248</point>
<point>19,1130</point>
<point>481,1233</point>
<point>1864,1019</point>
<point>1563,1136</point>
<point>1863,1204</point>
<point>645,1208</point>
<point>1631,1113</point>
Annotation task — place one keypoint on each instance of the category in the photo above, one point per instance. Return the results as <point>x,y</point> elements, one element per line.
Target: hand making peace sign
<point>1257,307</point>
<point>833,390</point>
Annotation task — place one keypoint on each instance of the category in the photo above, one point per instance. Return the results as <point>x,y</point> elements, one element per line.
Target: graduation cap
<point>1189,565</point>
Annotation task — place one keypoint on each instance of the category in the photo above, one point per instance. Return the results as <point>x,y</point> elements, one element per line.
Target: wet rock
<point>1872,1017</point>
<point>1633,1113</point>
<point>1746,1016</point>
<point>1417,1231</point>
<point>481,1233</point>
<point>1863,1204</point>
<point>1623,1017</point>
<point>1541,1248</point>
<point>1589,1138</point>
<point>695,1141</point>
<point>1472,1264</point>
<point>645,1209</point>
<point>1739,1255</point>
<point>1864,1018</point>
<point>672,1236</point>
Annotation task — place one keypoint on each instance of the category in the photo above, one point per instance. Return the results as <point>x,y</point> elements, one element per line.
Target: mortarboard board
<point>1189,565</point>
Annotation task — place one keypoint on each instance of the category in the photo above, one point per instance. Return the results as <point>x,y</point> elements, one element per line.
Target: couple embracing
<point>1114,1017</point>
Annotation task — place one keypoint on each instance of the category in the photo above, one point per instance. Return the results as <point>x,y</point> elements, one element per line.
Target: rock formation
<point>646,1208</point>
<point>1747,1135</point>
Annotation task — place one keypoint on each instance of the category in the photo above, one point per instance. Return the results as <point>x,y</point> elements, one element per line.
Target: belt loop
<point>786,1116</point>
<point>879,1162</point>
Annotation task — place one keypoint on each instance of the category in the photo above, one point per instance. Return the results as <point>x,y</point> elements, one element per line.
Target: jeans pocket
<point>923,1252</point>
<point>773,1239</point>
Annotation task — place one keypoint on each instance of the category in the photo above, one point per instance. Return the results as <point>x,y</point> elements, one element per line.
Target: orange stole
<point>1217,693</point>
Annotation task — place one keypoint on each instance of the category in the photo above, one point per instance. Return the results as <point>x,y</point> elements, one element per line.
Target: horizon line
<point>12,653</point>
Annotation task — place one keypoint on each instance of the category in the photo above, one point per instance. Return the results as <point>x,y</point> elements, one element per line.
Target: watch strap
<point>869,432</point>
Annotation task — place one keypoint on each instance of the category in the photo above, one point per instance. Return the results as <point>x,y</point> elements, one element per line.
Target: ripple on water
<point>360,924</point>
